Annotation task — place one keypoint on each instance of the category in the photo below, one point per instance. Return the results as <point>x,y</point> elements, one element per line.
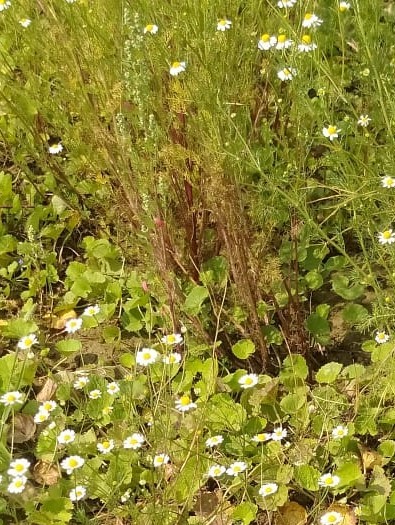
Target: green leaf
<point>340,285</point>
<point>195,299</point>
<point>222,413</point>
<point>245,512</point>
<point>17,328</point>
<point>349,473</point>
<point>307,477</point>
<point>111,334</point>
<point>335,263</point>
<point>381,352</point>
<point>127,360</point>
<point>68,346</point>
<point>243,349</point>
<point>314,280</point>
<point>272,335</point>
<point>296,364</point>
<point>353,371</point>
<point>317,325</point>
<point>355,314</point>
<point>387,448</point>
<point>328,373</point>
<point>291,403</point>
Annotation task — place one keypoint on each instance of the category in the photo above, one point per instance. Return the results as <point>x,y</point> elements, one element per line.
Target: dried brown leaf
<point>59,322</point>
<point>47,391</point>
<point>22,430</point>
<point>291,514</point>
<point>46,473</point>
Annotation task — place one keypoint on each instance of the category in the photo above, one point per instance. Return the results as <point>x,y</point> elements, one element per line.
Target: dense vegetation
<point>197,262</point>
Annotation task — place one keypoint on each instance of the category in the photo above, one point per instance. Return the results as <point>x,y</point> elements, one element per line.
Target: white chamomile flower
<point>177,68</point>
<point>344,6</point>
<point>214,441</point>
<point>283,4</point>
<point>172,358</point>
<point>331,518</point>
<point>266,42</point>
<point>381,337</point>
<point>91,311</point>
<point>185,403</point>
<point>55,148</point>
<point>306,44</point>
<point>25,343</point>
<point>77,493</point>
<point>66,436</point>
<point>18,467</point>
<point>4,4</point>
<point>73,325</point>
<point>388,182</point>
<point>279,433</point>
<point>286,74</point>
<point>48,405</point>
<point>261,438</point>
<point>10,399</point>
<point>364,121</point>
<point>71,463</point>
<point>224,24</point>
<point>106,446</point>
<point>126,496</point>
<point>94,394</point>
<point>81,382</point>
<point>25,22</point>
<point>268,489</point>
<point>172,339</point>
<point>386,237</point>
<point>236,468</point>
<point>339,432</point>
<point>328,480</point>
<point>283,42</point>
<point>248,380</point>
<point>160,459</point>
<point>113,388</point>
<point>41,416</point>
<point>311,20</point>
<point>331,132</point>
<point>135,441</point>
<point>71,1</point>
<point>146,356</point>
<point>216,471</point>
<point>17,485</point>
<point>152,29</point>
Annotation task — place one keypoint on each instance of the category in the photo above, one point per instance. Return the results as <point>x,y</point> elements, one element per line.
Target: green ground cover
<point>197,262</point>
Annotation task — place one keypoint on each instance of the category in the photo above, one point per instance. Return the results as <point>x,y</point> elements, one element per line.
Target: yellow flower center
<point>18,483</point>
<point>146,356</point>
<point>171,338</point>
<point>159,460</point>
<point>185,400</point>
<point>329,481</point>
<point>28,341</point>
<point>268,490</point>
<point>265,37</point>
<point>342,8</point>
<point>172,358</point>
<point>106,444</point>
<point>217,471</point>
<point>73,463</point>
<point>11,398</point>
<point>236,469</point>
<point>149,27</point>
<point>222,23</point>
<point>389,181</point>
<point>281,39</point>
<point>332,519</point>
<point>19,468</point>
<point>331,130</point>
<point>308,16</point>
<point>387,234</point>
<point>176,64</point>
<point>306,39</point>
<point>248,381</point>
